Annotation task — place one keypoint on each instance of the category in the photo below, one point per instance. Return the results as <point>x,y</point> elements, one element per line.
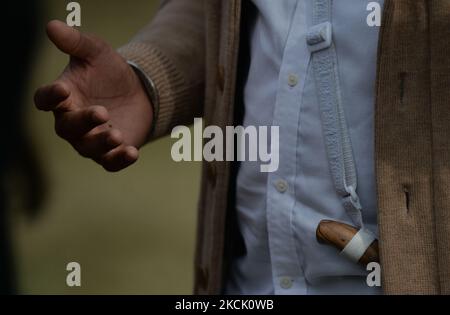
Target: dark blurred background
<point>132,232</point>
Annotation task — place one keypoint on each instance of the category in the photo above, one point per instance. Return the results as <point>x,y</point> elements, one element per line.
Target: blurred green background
<point>132,232</point>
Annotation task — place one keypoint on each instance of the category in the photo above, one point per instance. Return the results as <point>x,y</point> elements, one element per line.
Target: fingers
<point>72,125</point>
<point>119,158</point>
<point>87,131</point>
<point>94,145</point>
<point>89,135</point>
<point>107,149</point>
<point>47,98</point>
<point>73,42</point>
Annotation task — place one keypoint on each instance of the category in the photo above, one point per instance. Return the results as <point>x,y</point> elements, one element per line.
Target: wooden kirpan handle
<point>338,234</point>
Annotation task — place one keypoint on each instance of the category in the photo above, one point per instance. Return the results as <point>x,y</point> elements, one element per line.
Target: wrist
<point>151,91</point>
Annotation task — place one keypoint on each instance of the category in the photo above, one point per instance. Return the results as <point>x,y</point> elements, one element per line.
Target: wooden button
<point>211,169</point>
<point>221,78</point>
<point>202,278</point>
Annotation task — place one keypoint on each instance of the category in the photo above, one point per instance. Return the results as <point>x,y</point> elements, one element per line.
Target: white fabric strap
<point>358,245</point>
<point>337,138</point>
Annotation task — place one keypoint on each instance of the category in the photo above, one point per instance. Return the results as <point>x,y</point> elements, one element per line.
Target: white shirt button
<point>292,80</point>
<point>286,283</point>
<point>281,185</point>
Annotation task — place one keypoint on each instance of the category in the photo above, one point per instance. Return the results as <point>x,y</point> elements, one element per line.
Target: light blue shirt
<point>278,212</point>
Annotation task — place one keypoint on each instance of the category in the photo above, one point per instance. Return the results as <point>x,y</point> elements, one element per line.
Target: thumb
<point>72,41</point>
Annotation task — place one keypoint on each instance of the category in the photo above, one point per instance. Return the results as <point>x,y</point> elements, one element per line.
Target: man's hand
<point>99,103</point>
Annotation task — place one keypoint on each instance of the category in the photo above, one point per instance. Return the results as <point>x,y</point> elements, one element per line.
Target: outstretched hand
<point>99,103</point>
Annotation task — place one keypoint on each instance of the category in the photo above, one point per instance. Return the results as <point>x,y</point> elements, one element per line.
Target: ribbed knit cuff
<point>170,84</point>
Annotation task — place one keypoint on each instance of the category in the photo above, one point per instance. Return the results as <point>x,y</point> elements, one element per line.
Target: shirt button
<point>292,80</point>
<point>281,185</point>
<point>286,283</point>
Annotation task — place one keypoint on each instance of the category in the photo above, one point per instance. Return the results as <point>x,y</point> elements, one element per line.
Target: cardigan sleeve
<point>171,52</point>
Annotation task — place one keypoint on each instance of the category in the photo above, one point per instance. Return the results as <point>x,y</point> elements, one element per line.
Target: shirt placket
<point>287,273</point>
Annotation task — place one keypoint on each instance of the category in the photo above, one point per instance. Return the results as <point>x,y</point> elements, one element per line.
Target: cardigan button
<point>211,169</point>
<point>221,78</point>
<point>202,278</point>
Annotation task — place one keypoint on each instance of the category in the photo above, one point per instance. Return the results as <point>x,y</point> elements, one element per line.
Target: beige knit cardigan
<point>191,50</point>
